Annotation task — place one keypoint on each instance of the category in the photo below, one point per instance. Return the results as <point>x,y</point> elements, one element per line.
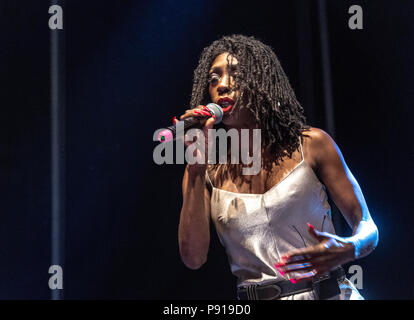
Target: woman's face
<point>221,89</point>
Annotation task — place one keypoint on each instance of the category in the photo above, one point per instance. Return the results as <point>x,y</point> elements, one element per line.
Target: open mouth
<point>226,104</point>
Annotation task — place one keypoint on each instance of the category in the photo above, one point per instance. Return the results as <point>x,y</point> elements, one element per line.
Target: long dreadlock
<point>264,89</point>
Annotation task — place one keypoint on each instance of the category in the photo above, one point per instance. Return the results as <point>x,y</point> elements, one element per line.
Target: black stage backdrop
<point>128,68</point>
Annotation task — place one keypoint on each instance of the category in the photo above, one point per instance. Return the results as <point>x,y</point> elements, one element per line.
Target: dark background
<point>129,68</point>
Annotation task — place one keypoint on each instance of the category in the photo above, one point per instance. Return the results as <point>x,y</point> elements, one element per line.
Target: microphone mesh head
<point>216,110</point>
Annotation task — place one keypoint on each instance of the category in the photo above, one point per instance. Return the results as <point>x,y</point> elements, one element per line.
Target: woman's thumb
<point>210,122</point>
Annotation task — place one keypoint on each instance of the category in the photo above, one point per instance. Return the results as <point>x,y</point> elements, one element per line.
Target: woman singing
<point>276,225</point>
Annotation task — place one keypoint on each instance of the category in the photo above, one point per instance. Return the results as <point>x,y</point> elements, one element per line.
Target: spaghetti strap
<point>301,149</point>
<point>208,179</point>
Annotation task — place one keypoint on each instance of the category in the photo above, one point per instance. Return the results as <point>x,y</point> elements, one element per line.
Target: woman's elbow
<point>374,233</point>
<point>193,264</point>
<point>376,236</point>
<point>192,260</point>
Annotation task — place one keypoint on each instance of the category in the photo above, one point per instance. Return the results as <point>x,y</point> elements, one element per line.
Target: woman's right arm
<point>194,226</point>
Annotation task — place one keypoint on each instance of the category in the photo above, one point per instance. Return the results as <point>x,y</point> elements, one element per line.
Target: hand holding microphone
<point>206,116</point>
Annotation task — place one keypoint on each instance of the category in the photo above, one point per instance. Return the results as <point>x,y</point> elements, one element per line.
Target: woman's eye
<point>213,78</point>
<point>235,72</point>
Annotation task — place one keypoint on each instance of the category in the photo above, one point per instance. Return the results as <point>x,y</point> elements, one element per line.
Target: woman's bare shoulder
<point>315,142</point>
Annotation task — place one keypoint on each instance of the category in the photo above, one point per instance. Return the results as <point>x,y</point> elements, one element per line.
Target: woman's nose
<point>223,85</point>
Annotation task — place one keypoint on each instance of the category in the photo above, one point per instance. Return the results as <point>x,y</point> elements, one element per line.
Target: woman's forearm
<point>194,226</point>
<point>364,238</point>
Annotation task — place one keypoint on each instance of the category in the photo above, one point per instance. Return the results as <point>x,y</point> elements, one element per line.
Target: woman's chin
<point>228,119</point>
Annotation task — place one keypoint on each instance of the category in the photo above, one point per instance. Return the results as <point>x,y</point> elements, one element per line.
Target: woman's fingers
<point>187,114</point>
<point>312,261</point>
<point>302,260</point>
<point>199,111</point>
<point>210,122</point>
<point>202,113</point>
<point>206,109</point>
<point>304,254</point>
<point>207,120</point>
<point>304,271</point>
<point>306,266</point>
<point>304,277</point>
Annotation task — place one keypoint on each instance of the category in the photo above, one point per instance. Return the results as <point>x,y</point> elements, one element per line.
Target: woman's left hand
<point>332,251</point>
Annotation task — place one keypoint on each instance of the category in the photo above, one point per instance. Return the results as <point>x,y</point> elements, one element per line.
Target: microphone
<point>169,133</point>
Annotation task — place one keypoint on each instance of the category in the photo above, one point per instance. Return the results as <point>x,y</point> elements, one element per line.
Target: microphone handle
<point>188,123</point>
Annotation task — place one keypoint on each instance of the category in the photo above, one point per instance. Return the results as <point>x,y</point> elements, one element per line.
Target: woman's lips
<point>227,109</point>
<point>226,104</point>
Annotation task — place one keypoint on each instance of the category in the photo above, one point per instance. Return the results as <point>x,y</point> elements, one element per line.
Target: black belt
<point>326,286</point>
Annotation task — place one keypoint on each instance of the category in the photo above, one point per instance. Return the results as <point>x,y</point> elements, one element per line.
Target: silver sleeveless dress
<point>258,229</point>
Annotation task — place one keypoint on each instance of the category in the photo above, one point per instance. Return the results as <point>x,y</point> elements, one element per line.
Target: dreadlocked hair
<point>264,90</point>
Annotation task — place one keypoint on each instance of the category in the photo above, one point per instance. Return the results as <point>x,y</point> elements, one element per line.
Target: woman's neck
<point>246,144</point>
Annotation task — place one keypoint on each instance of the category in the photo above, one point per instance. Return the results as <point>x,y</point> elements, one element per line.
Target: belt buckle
<point>342,274</point>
